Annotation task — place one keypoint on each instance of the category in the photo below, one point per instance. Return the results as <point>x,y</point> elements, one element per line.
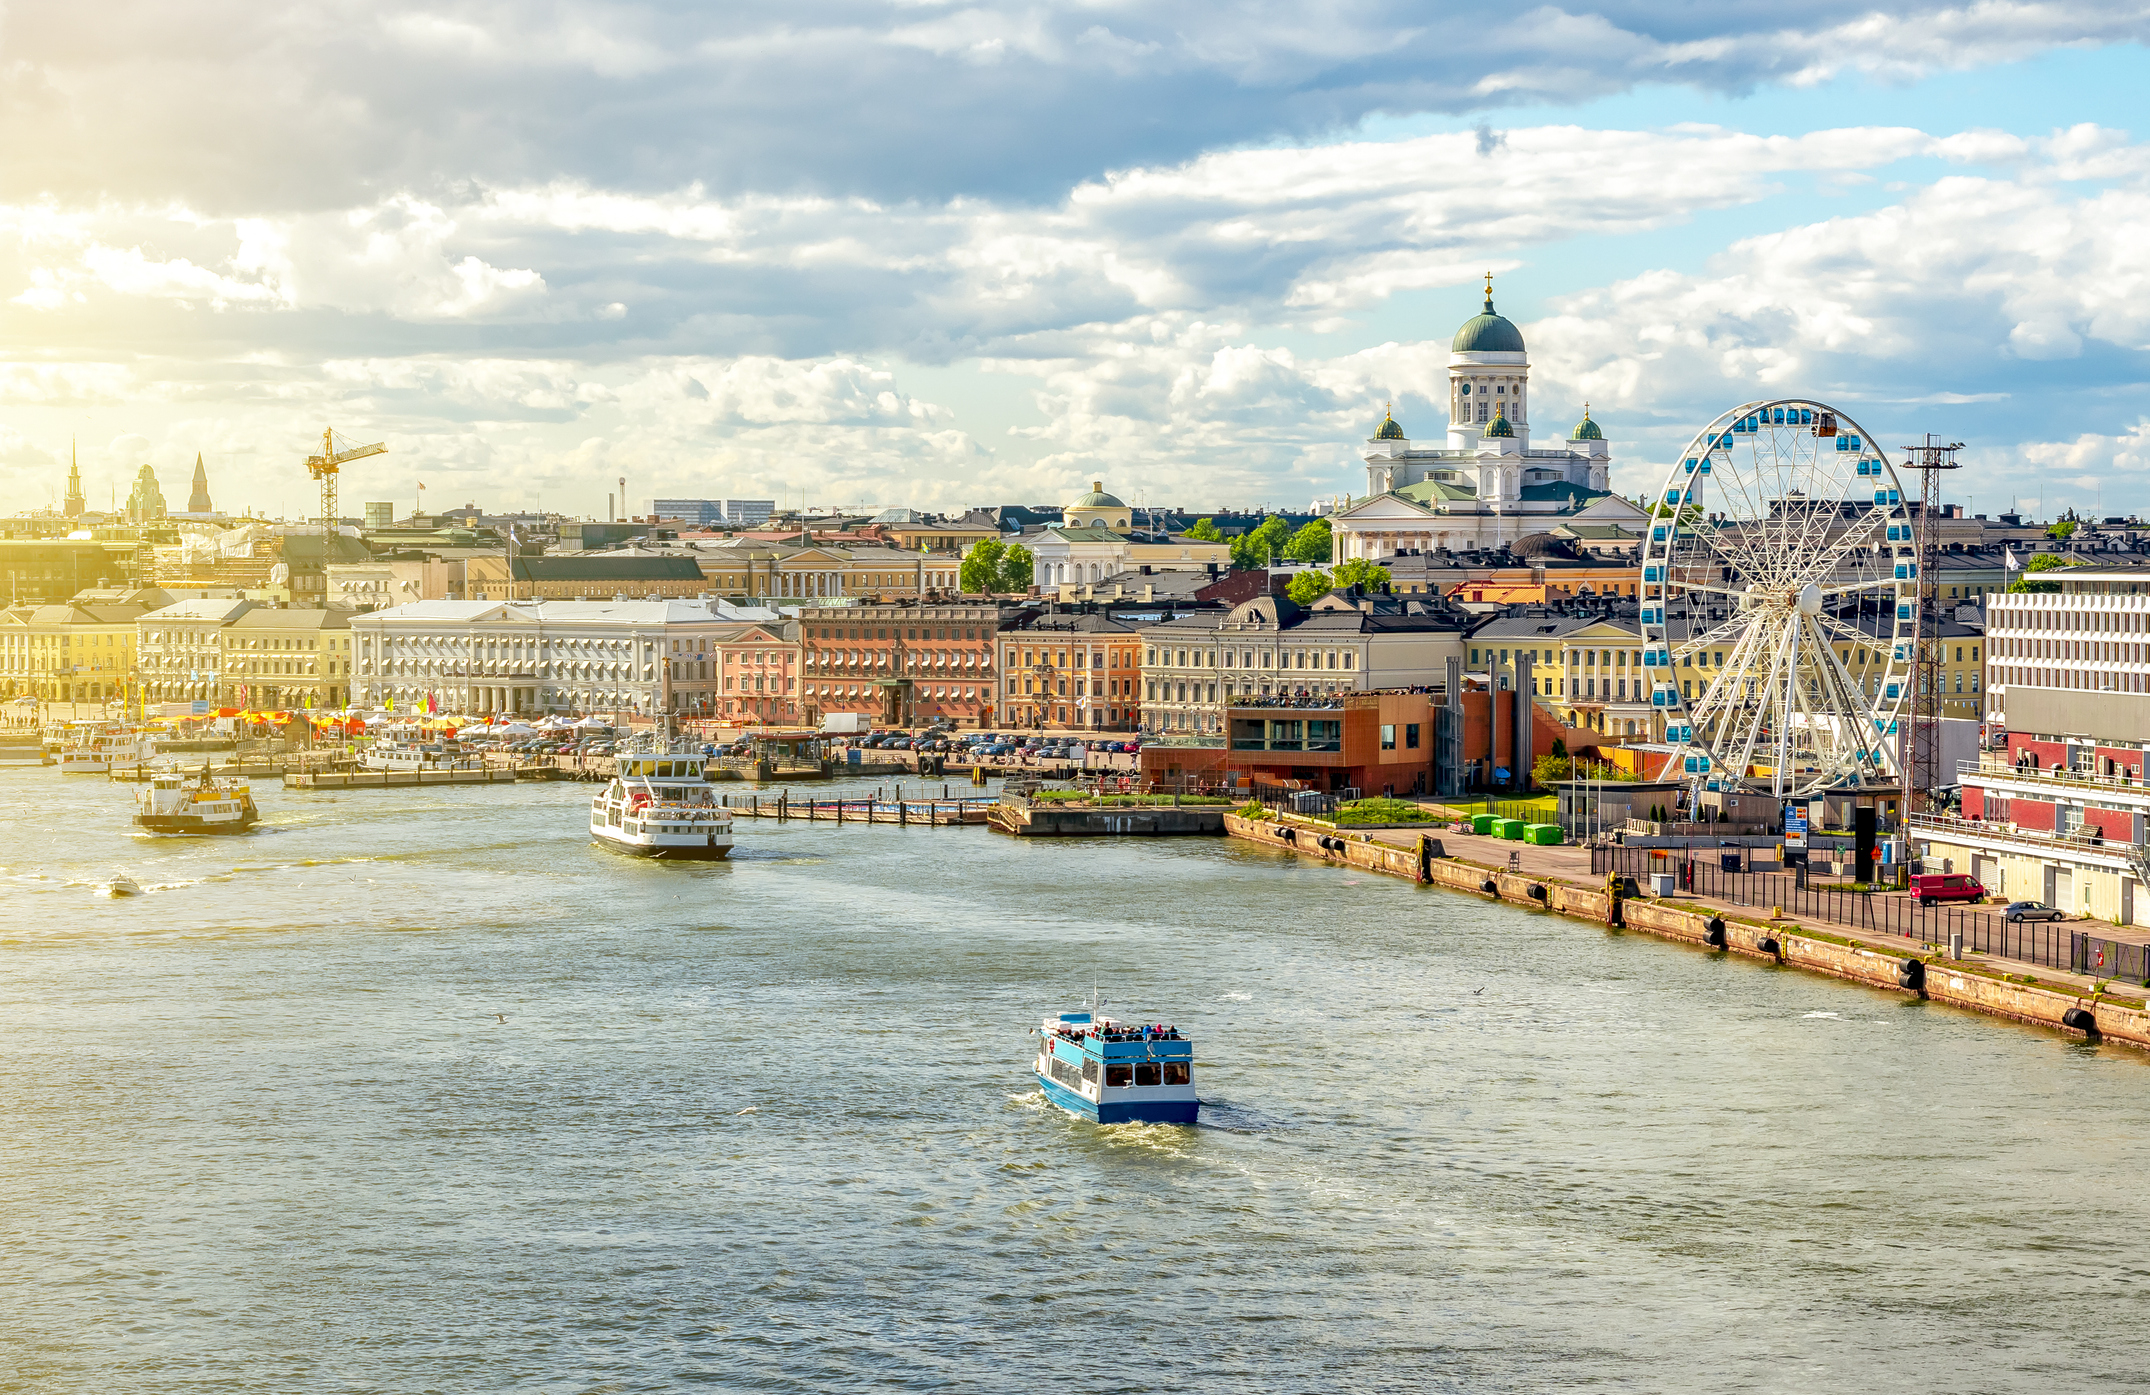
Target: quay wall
<point>1935,979</point>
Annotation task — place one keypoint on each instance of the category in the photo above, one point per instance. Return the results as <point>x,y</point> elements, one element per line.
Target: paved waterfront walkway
<point>1571,864</point>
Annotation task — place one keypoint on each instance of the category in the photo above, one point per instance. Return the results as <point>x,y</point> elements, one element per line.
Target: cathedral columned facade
<point>1486,485</point>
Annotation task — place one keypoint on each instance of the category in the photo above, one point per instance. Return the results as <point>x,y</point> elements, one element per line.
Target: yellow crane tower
<point>324,468</point>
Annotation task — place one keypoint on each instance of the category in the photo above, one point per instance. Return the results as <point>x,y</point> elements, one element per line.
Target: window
<point>1146,1073</point>
<point>1410,736</point>
<point>1178,1073</point>
<point>1388,738</point>
<point>1117,1075</point>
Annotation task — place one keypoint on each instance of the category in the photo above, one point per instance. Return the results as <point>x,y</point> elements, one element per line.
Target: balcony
<point>2110,854</point>
<point>2004,777</point>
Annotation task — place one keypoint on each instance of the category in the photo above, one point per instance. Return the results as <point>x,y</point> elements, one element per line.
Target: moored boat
<point>176,803</point>
<point>96,752</point>
<point>659,804</point>
<point>1113,1072</point>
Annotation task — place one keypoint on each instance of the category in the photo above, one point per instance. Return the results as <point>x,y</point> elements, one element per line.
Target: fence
<point>1299,801</point>
<point>2096,955</point>
<point>1985,931</point>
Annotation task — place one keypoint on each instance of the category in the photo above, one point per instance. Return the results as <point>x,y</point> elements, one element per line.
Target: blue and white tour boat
<point>1113,1072</point>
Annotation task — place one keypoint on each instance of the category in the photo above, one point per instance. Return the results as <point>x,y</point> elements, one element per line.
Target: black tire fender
<point>1911,974</point>
<point>1768,945</point>
<point>2081,1019</point>
<point>1536,892</point>
<point>1713,932</point>
<point>1490,887</point>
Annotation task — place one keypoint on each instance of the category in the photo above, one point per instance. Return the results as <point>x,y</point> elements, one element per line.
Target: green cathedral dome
<point>1586,429</point>
<point>1499,425</point>
<point>1488,333</point>
<point>1390,429</point>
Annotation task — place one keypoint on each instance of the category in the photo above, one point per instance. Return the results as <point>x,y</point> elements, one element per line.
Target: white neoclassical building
<point>1487,485</point>
<point>484,657</point>
<point>1096,539</point>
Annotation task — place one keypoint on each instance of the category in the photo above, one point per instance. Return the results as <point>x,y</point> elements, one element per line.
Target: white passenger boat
<point>119,884</point>
<point>659,804</point>
<point>97,752</point>
<point>408,756</point>
<point>195,804</point>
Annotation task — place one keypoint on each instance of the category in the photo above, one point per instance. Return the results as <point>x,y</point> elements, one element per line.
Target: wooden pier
<point>904,813</point>
<point>402,779</point>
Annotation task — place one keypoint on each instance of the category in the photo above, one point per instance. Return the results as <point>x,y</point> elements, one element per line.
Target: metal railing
<point>2051,775</point>
<point>1942,826</point>
<point>1984,931</point>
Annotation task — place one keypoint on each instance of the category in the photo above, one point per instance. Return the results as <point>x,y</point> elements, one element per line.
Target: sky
<point>838,253</point>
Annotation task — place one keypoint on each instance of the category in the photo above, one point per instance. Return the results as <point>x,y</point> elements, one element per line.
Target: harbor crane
<point>324,467</point>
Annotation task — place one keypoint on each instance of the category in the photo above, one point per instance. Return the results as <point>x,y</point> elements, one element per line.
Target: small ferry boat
<point>96,753</point>
<point>659,804</point>
<point>195,804</point>
<point>1113,1072</point>
<point>408,756</point>
<point>119,884</point>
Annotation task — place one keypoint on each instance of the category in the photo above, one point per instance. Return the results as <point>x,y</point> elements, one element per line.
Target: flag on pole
<point>2009,558</point>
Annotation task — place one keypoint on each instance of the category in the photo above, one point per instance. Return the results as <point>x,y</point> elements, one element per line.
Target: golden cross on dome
<point>1489,285</point>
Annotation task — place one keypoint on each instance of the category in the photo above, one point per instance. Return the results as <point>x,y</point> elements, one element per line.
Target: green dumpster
<point>1545,834</point>
<point>1511,829</point>
<point>1483,823</point>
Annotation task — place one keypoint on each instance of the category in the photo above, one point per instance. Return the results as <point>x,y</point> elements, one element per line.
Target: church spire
<point>198,501</point>
<point>75,507</point>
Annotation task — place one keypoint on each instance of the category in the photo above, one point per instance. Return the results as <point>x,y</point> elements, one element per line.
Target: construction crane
<point>324,467</point>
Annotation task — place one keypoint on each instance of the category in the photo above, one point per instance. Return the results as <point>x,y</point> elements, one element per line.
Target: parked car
<point>1930,887</point>
<point>2032,910</point>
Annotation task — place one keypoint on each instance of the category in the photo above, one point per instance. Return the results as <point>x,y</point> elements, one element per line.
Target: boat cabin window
<point>1089,1071</point>
<point>1146,1073</point>
<point>1119,1075</point>
<point>1178,1073</point>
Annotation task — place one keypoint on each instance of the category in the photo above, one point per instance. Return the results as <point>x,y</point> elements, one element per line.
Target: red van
<point>1946,886</point>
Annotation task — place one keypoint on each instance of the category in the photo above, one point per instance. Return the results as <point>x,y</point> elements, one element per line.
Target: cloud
<point>1175,324</point>
<point>241,108</point>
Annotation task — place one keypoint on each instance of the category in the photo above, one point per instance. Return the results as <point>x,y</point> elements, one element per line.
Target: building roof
<point>1499,428</point>
<point>1573,495</point>
<point>203,612</point>
<point>1586,429</point>
<point>1097,498</point>
<point>1093,535</point>
<point>1390,429</point>
<point>676,611</point>
<point>607,567</point>
<point>267,617</point>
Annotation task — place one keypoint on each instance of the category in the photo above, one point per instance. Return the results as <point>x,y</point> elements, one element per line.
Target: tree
<point>1308,586</point>
<point>1309,544</point>
<point>1258,546</point>
<point>1357,571</point>
<point>2043,562</point>
<point>1017,568</point>
<point>1545,770</point>
<point>981,566</point>
<point>1205,531</point>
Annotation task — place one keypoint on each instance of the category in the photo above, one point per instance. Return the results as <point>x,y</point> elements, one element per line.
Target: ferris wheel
<point>1779,601</point>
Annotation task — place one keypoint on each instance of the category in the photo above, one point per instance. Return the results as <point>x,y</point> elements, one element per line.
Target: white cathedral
<point>1487,486</point>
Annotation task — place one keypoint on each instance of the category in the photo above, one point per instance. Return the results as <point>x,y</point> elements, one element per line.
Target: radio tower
<point>1922,772</point>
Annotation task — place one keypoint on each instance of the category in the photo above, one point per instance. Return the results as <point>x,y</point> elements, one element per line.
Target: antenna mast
<point>1923,773</point>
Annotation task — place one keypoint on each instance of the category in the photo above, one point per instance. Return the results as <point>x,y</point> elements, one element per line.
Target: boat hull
<point>1127,1112</point>
<point>660,852</point>
<point>183,823</point>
